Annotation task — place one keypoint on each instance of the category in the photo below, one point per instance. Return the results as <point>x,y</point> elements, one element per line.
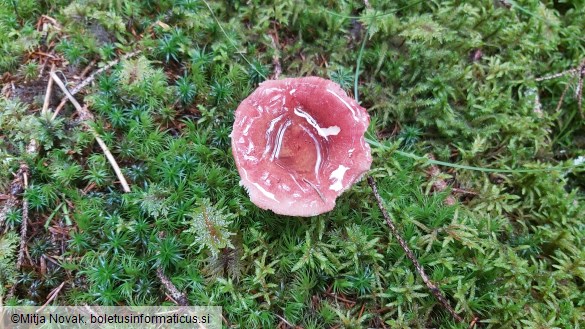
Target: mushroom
<point>298,144</point>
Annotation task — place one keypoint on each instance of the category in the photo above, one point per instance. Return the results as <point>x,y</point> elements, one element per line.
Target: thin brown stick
<point>52,295</point>
<point>64,99</point>
<point>89,79</point>
<point>362,310</point>
<point>463,191</point>
<point>108,66</point>
<point>85,115</point>
<point>560,103</point>
<point>225,321</point>
<point>284,320</point>
<point>23,177</point>
<point>579,89</point>
<point>178,296</point>
<point>64,89</point>
<point>345,300</point>
<point>48,93</point>
<point>557,75</point>
<point>24,225</point>
<point>18,186</point>
<point>86,69</point>
<point>579,73</point>
<point>276,56</point>
<point>432,287</point>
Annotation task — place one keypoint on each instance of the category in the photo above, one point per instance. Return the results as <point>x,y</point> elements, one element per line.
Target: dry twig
<point>85,115</point>
<point>284,320</point>
<point>276,57</point>
<point>89,79</point>
<point>17,187</point>
<point>473,323</point>
<point>52,295</point>
<point>337,297</point>
<point>579,73</point>
<point>24,224</point>
<point>178,296</point>
<point>48,93</point>
<point>432,287</point>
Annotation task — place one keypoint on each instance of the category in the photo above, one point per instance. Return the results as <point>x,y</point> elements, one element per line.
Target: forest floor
<point>125,191</point>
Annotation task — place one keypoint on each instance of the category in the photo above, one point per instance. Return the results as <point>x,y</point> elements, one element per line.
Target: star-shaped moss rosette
<point>298,144</point>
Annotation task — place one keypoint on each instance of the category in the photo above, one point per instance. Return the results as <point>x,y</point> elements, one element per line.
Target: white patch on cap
<point>350,152</point>
<point>249,125</point>
<point>270,90</point>
<point>337,177</point>
<point>333,130</point>
<point>247,129</point>
<point>292,91</point>
<point>266,193</point>
<point>279,137</point>
<point>344,103</point>
<point>251,158</point>
<point>250,147</point>
<point>273,123</point>
<point>285,187</point>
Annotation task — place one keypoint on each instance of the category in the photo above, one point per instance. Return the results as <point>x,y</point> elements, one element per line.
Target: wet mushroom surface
<point>298,144</point>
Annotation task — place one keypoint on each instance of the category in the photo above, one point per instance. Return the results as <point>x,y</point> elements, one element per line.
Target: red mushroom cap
<point>298,144</point>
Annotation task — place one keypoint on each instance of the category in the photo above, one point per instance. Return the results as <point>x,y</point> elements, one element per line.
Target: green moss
<point>452,79</point>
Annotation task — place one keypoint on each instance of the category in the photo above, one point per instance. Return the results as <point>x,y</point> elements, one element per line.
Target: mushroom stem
<point>432,287</point>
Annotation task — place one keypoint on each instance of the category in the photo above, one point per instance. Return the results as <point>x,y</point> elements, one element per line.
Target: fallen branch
<point>90,78</point>
<point>434,290</point>
<point>345,300</point>
<point>48,93</point>
<point>178,296</point>
<point>85,116</point>
<point>52,295</point>
<point>284,320</point>
<point>579,89</point>
<point>276,56</point>
<point>579,73</point>
<point>558,75</point>
<point>24,225</point>
<point>17,187</point>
